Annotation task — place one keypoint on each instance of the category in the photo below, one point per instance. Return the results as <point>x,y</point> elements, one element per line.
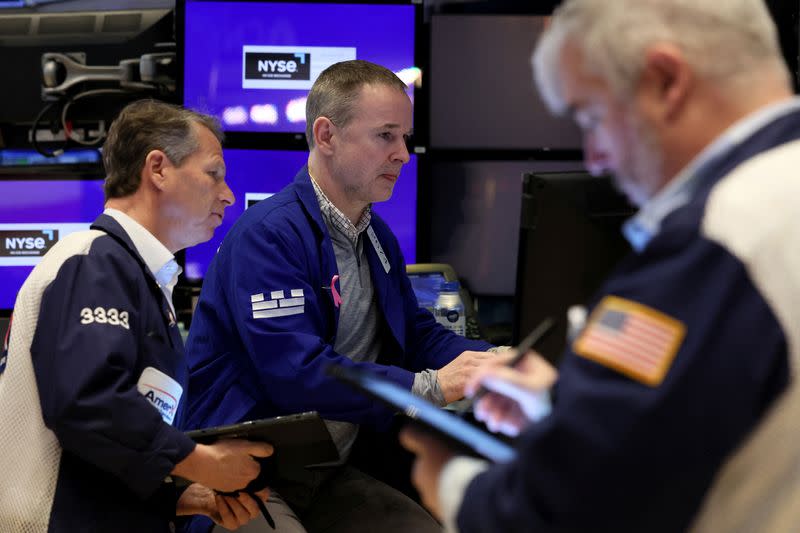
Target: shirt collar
<point>334,217</point>
<point>156,256</point>
<point>646,224</point>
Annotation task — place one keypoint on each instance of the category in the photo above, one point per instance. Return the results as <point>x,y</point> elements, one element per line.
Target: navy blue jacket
<point>619,455</point>
<point>249,361</point>
<point>101,322</point>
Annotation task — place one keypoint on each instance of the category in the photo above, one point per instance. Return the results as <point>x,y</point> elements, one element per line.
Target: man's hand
<point>518,395</point>
<point>432,455</point>
<point>454,375</point>
<point>227,511</point>
<point>226,465</point>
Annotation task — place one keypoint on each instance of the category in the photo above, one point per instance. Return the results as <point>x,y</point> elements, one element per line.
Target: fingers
<point>432,455</point>
<point>501,414</point>
<point>249,505</point>
<point>454,375</point>
<point>412,439</point>
<point>532,373</point>
<point>256,449</point>
<point>236,511</point>
<point>501,359</point>
<point>259,449</point>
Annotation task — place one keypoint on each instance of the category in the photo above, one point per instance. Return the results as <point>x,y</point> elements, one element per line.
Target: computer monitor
<point>34,215</point>
<point>427,279</point>
<point>570,240</point>
<point>256,174</point>
<point>252,63</point>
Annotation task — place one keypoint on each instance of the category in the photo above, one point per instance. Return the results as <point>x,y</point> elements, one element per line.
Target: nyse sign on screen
<point>288,67</point>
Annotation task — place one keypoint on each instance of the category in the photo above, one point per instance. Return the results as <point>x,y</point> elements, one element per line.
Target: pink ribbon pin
<point>337,299</point>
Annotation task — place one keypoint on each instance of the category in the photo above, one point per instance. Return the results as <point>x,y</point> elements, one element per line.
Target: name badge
<point>162,391</point>
<point>379,249</point>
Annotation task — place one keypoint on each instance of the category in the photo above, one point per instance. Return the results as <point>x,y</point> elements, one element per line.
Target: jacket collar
<point>110,226</point>
<point>307,196</point>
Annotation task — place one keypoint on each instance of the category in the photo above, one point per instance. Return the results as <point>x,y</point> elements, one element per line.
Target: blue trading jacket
<point>249,359</point>
<point>92,319</point>
<point>619,455</point>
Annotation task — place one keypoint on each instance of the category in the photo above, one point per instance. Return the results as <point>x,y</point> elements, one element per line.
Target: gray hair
<point>726,40</point>
<point>337,88</point>
<point>144,126</point>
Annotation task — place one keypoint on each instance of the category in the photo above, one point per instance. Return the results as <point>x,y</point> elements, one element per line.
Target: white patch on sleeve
<point>162,391</point>
<point>257,297</point>
<point>279,305</point>
<point>269,304</point>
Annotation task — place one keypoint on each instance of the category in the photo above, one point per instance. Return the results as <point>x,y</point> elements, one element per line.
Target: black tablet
<point>464,435</point>
<point>299,440</point>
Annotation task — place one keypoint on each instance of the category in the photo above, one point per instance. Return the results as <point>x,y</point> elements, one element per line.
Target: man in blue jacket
<point>310,277</point>
<point>689,357</point>
<point>93,391</point>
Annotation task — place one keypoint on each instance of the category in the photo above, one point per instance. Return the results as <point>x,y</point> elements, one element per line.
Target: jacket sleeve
<point>433,345</point>
<point>283,314</point>
<point>617,454</point>
<point>85,351</point>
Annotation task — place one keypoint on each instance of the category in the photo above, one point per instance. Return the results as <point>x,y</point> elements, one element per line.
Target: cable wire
<point>80,96</point>
<point>35,142</point>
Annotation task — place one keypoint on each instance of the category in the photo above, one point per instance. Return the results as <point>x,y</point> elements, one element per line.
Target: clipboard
<point>299,440</point>
<point>463,435</point>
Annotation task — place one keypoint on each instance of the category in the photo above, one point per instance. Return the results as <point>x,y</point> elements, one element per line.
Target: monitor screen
<point>426,287</point>
<point>251,64</point>
<point>34,215</point>
<point>570,240</point>
<point>256,174</point>
<point>475,102</point>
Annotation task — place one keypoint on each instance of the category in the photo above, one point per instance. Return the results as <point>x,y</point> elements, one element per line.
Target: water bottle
<point>449,309</point>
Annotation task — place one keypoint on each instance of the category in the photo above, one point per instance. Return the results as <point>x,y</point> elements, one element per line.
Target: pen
<point>533,338</point>
<point>263,508</point>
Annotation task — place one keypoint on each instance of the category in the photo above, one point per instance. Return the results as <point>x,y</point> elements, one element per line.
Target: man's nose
<point>226,195</point>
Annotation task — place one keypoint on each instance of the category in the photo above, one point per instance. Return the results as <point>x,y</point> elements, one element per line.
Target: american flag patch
<point>631,338</point>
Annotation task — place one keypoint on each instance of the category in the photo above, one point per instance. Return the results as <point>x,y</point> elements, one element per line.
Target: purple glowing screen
<point>251,64</point>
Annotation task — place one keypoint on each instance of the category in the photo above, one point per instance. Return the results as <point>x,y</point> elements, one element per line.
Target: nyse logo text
<point>277,66</point>
<point>26,242</point>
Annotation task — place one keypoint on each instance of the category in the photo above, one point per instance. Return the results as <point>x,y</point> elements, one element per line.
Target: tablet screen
<point>428,414</point>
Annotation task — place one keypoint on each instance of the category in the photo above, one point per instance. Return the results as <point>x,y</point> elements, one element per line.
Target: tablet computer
<point>299,440</point>
<point>455,430</point>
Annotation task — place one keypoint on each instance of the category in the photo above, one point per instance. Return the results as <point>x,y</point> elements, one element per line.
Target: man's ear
<point>324,131</point>
<point>153,170</point>
<point>668,78</point>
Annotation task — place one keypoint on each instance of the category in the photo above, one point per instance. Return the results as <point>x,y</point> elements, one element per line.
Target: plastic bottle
<point>449,309</point>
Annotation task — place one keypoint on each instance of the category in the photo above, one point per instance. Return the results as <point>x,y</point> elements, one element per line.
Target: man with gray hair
<point>92,390</point>
<point>689,355</point>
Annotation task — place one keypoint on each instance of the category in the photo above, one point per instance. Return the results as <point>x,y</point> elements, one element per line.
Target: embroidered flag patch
<point>278,304</point>
<point>633,339</point>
